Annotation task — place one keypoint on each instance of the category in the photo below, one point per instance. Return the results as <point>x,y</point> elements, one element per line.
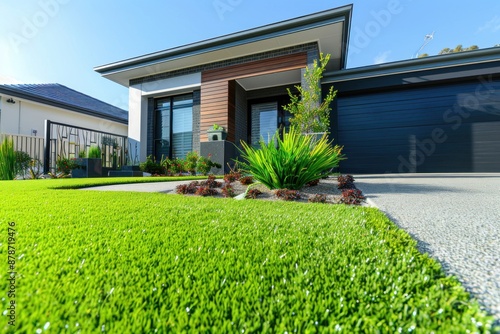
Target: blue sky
<point>61,41</point>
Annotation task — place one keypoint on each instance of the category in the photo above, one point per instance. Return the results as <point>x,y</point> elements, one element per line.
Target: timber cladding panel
<point>218,89</point>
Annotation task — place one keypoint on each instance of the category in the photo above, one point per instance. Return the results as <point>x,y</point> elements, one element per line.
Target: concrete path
<point>147,187</point>
<point>454,217</point>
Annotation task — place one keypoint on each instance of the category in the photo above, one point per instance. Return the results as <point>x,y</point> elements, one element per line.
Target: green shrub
<point>205,164</point>
<point>94,152</point>
<point>191,162</point>
<point>23,160</point>
<point>177,166</point>
<point>7,160</point>
<point>296,160</point>
<point>66,165</point>
<point>151,166</point>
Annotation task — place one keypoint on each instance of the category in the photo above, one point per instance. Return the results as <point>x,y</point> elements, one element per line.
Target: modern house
<point>440,114</point>
<point>78,118</point>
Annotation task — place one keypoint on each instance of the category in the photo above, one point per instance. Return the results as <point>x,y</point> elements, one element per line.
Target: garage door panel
<point>434,129</point>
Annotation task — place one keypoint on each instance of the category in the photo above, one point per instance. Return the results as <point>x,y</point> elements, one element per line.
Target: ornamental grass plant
<point>7,160</point>
<point>94,152</point>
<point>290,161</point>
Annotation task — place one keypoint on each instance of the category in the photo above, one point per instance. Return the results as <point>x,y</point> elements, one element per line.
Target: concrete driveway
<point>454,217</point>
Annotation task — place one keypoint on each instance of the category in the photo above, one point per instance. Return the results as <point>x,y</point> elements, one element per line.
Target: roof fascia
<point>341,14</point>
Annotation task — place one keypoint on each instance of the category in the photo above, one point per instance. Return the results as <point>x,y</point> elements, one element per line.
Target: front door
<point>266,119</point>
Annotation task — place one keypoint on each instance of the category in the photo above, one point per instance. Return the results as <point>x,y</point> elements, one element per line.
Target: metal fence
<point>69,141</point>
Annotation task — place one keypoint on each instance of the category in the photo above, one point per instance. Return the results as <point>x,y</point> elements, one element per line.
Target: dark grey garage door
<point>445,128</point>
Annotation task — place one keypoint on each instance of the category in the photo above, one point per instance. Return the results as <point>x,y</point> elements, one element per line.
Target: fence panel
<point>69,141</point>
<point>29,144</point>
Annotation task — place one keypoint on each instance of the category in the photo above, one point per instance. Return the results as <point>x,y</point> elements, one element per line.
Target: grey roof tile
<point>64,96</point>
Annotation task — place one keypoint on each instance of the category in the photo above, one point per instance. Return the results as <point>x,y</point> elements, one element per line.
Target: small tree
<point>310,114</point>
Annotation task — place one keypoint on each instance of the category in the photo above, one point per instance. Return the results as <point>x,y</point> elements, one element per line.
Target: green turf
<point>124,262</point>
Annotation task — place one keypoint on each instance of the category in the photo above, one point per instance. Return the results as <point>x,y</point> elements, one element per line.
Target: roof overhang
<point>330,29</point>
<point>49,102</point>
<point>421,70</point>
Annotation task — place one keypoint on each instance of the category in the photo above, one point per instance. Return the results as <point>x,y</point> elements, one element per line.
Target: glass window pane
<point>163,104</point>
<point>182,120</point>
<point>183,100</point>
<point>182,126</point>
<point>268,121</point>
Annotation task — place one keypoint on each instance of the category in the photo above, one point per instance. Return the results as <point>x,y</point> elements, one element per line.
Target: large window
<point>173,126</point>
<point>266,119</point>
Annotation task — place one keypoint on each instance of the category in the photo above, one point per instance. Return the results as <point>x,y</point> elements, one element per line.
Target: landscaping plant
<point>345,182</point>
<point>228,190</point>
<point>151,166</point>
<point>191,162</point>
<point>205,191</point>
<point>287,194</point>
<point>253,193</point>
<point>66,165</point>
<point>232,176</point>
<point>177,166</point>
<point>123,262</point>
<point>35,169</point>
<point>7,160</point>
<point>311,113</point>
<point>296,160</point>
<point>23,160</point>
<point>313,183</point>
<point>205,164</point>
<point>246,180</point>
<point>211,182</point>
<point>94,152</point>
<point>352,196</point>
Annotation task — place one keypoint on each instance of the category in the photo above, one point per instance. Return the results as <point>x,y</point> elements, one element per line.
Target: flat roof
<point>330,29</point>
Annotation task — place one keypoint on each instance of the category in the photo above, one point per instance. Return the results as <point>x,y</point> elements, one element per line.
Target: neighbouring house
<point>73,121</point>
<point>435,114</point>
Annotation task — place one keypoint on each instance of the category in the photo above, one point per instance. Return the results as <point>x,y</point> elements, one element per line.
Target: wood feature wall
<point>218,89</point>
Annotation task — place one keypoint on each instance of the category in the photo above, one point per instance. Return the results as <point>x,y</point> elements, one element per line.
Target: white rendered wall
<point>138,121</point>
<point>172,86</point>
<point>24,116</point>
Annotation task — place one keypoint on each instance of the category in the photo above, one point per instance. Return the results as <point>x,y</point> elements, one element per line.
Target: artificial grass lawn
<point>123,262</point>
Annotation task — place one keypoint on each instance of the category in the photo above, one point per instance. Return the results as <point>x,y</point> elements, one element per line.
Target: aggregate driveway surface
<point>454,217</point>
